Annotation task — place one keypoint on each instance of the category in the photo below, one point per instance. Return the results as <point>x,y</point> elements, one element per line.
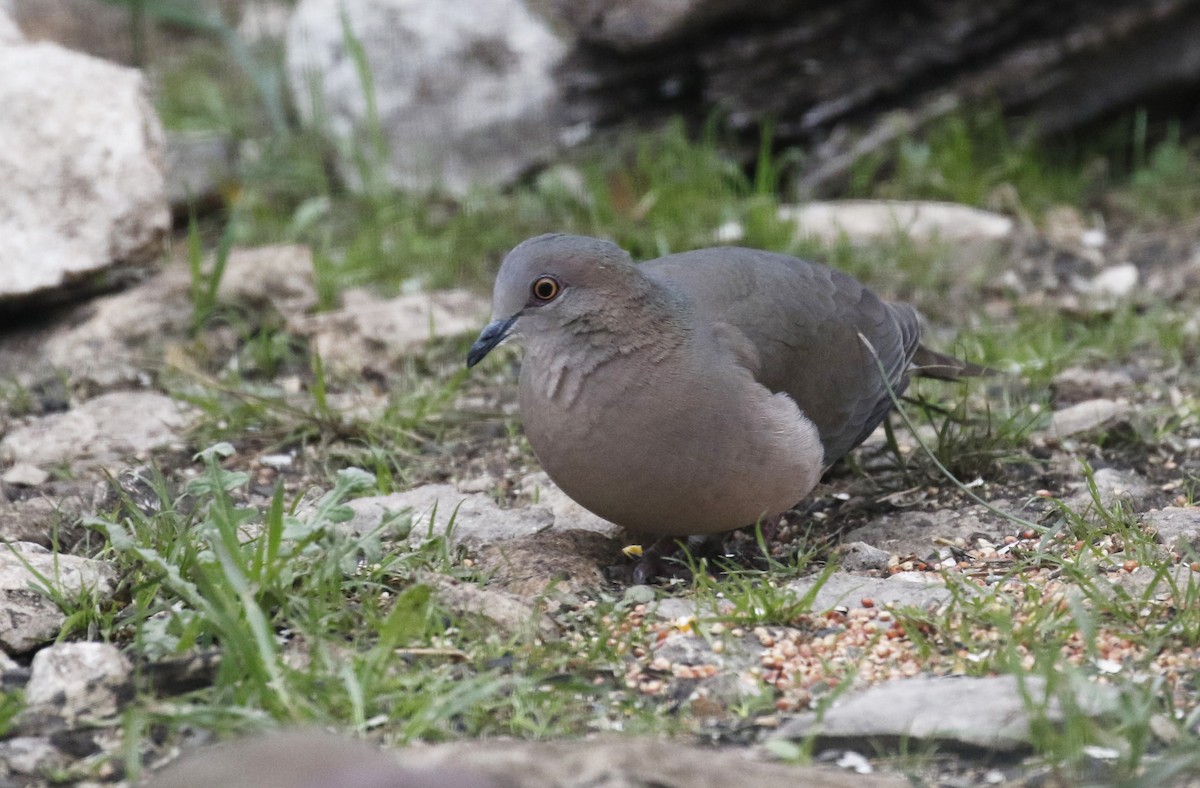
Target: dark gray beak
<point>493,334</point>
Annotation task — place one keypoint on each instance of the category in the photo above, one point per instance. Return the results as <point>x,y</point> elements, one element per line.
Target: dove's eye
<point>545,289</point>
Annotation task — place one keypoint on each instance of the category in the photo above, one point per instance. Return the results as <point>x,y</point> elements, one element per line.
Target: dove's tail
<point>928,363</point>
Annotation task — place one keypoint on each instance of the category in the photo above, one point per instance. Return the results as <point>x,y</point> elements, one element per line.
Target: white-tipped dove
<point>702,391</point>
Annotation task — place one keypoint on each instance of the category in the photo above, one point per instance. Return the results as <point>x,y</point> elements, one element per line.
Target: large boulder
<point>81,164</point>
<point>464,93</point>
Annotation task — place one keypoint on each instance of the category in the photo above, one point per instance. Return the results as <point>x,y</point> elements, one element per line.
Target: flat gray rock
<point>279,277</point>
<point>911,532</point>
<point>1113,487</point>
<point>25,475</point>
<point>314,758</point>
<point>101,431</point>
<point>903,589</point>
<point>567,513</point>
<point>369,331</point>
<point>862,222</point>
<point>1178,528</point>
<point>861,557</point>
<point>1169,586</point>
<point>510,614</point>
<point>977,713</point>
<point>475,518</point>
<point>29,618</point>
<point>291,758</point>
<point>43,520</point>
<point>1108,287</point>
<point>478,520</point>
<point>110,341</point>
<point>1086,417</point>
<point>669,608</point>
<point>623,762</point>
<point>116,337</point>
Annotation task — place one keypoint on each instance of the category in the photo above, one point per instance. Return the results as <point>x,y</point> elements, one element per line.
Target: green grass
<point>1144,171</point>
<point>11,704</point>
<point>663,193</point>
<point>1062,631</point>
<point>749,598</point>
<point>1165,186</point>
<point>981,435</point>
<point>316,624</point>
<point>16,400</point>
<point>249,405</point>
<point>977,158</point>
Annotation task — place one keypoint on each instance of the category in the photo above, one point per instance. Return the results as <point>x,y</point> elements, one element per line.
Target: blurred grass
<point>656,193</point>
<point>975,157</point>
<point>663,192</point>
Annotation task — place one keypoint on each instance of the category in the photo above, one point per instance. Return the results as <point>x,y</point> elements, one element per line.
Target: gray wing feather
<point>804,321</point>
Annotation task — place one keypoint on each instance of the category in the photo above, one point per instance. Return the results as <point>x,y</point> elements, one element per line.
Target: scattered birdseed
<point>803,659</point>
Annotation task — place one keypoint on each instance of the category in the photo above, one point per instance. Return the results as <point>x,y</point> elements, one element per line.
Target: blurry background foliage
<point>664,191</point>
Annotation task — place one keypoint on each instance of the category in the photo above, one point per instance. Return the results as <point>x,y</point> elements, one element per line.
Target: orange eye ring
<point>545,289</point>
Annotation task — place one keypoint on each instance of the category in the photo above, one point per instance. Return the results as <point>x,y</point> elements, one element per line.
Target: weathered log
<point>848,78</point>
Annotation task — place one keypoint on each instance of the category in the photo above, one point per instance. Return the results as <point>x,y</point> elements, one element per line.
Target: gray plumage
<point>701,391</point>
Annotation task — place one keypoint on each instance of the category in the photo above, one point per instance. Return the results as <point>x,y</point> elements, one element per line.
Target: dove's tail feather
<point>928,363</point>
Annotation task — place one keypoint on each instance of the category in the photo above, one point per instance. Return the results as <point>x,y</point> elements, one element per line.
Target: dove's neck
<point>644,329</point>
